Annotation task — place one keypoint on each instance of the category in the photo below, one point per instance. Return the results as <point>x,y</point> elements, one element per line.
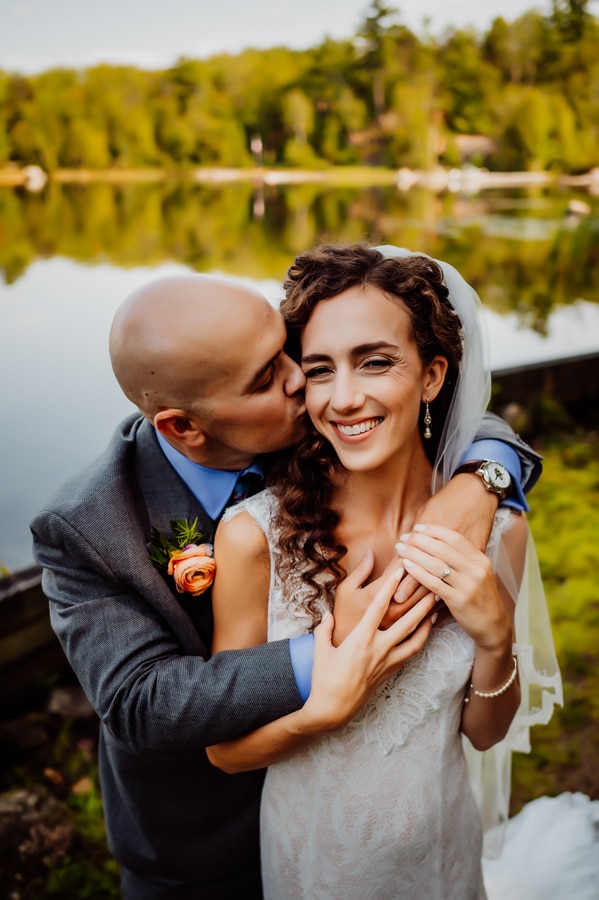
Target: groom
<point>204,361</point>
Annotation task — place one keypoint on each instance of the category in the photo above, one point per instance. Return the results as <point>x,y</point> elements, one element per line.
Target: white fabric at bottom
<point>550,852</point>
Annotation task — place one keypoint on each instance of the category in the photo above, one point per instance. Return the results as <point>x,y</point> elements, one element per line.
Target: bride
<point>386,806</point>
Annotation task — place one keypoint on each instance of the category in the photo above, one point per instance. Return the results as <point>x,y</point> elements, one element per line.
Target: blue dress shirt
<point>212,487</point>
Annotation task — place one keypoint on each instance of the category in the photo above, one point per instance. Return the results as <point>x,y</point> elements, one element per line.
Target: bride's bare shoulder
<point>241,536</point>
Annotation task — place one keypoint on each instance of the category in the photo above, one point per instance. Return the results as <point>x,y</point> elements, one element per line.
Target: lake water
<point>71,255</point>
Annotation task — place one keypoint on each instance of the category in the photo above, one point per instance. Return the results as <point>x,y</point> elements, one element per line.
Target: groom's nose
<point>295,380</point>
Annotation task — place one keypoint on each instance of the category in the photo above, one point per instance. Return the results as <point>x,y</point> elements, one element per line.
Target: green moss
<point>565,525</point>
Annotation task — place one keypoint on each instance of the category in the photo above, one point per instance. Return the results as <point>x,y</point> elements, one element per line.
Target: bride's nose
<point>345,393</point>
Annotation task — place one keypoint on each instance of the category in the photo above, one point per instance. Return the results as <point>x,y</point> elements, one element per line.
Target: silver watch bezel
<point>485,470</point>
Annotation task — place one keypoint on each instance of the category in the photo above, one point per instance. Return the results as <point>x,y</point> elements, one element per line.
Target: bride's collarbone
<point>383,550</point>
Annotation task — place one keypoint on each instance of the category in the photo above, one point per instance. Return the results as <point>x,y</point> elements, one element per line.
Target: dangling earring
<point>427,421</point>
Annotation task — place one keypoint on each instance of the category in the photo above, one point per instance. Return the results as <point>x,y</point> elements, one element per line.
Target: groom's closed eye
<point>264,377</point>
<point>267,383</point>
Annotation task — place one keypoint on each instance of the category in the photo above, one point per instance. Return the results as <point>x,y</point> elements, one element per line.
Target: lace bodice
<point>363,812</point>
<point>390,806</point>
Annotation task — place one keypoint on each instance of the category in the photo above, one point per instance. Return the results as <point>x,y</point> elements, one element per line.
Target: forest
<point>522,96</point>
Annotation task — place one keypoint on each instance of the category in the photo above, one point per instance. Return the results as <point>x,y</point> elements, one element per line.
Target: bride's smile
<point>352,430</point>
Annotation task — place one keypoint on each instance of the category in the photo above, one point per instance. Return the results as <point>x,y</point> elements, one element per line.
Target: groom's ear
<point>179,428</point>
<point>434,377</point>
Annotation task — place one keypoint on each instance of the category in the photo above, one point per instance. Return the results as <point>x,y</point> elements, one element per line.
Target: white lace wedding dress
<point>383,808</point>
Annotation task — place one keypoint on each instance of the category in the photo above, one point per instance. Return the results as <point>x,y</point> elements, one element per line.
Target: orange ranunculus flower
<point>193,568</point>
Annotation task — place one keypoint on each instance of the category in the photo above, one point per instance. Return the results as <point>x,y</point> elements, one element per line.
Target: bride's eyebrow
<point>314,358</point>
<point>360,350</point>
<point>373,347</point>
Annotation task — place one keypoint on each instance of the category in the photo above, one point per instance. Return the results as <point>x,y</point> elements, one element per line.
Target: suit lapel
<point>166,497</point>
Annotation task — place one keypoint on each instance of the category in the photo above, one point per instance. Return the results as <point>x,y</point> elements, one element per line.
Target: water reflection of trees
<point>521,252</point>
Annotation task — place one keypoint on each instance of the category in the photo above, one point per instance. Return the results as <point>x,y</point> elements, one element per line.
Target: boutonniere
<point>190,563</point>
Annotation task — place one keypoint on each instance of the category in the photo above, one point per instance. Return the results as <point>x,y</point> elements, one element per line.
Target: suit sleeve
<point>150,693</point>
<point>495,428</point>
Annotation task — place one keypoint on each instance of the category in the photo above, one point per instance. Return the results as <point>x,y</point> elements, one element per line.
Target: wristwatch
<point>495,477</point>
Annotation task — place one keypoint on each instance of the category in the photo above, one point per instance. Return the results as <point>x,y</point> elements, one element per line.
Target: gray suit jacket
<point>141,652</point>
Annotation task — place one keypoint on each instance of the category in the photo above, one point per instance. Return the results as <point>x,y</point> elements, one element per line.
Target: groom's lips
<point>358,430</point>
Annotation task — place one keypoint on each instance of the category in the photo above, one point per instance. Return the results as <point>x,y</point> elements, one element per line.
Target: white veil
<point>540,680</point>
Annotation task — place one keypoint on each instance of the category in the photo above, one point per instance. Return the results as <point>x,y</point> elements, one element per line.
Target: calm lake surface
<point>71,254</point>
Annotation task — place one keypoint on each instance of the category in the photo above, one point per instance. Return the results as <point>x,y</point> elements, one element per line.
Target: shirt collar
<point>212,487</point>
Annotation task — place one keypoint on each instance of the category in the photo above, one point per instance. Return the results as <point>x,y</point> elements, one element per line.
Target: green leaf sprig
<point>184,532</point>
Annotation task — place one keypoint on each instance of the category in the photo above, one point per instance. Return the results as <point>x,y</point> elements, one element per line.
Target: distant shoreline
<point>467,178</point>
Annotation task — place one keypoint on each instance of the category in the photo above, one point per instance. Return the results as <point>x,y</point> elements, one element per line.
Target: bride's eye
<point>316,372</point>
<point>377,362</point>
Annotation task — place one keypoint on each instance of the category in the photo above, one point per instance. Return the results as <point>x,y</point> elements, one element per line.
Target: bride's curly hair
<point>306,478</point>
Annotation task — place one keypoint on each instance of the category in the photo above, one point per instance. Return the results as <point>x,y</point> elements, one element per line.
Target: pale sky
<point>39,34</point>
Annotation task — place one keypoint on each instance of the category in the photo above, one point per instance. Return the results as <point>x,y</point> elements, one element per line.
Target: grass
<point>62,766</point>
<point>564,522</point>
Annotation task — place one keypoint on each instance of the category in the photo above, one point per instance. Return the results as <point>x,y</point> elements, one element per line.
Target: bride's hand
<point>344,677</point>
<point>464,505</point>
<point>451,566</point>
<point>353,597</point>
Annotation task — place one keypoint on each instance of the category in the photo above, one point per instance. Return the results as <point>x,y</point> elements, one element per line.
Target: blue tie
<point>247,483</point>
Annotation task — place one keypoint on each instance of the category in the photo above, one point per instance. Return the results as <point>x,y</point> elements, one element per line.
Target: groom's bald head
<point>175,338</point>
<point>203,358</point>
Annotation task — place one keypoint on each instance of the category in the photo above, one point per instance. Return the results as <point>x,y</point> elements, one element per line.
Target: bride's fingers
<point>424,535</point>
<point>360,573</point>
<point>409,589</point>
<point>324,630</point>
<point>399,631</point>
<point>436,583</point>
<point>399,654</point>
<point>379,604</point>
<point>435,560</point>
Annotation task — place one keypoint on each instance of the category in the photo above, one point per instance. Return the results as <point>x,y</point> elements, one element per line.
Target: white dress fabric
<point>393,806</point>
<point>389,807</point>
<point>382,808</point>
<point>539,675</point>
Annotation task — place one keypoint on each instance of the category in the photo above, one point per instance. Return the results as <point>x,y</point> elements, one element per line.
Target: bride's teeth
<point>359,429</point>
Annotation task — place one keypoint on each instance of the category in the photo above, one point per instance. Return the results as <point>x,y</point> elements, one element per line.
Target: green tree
<point>571,18</point>
<point>517,50</point>
<point>538,130</point>
<point>417,135</point>
<point>375,34</point>
<point>86,146</point>
<point>468,83</point>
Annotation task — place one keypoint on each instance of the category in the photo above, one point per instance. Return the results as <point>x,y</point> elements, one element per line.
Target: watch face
<point>498,477</point>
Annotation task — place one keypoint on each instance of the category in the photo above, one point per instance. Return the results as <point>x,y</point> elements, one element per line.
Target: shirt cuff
<point>301,651</point>
<point>508,457</point>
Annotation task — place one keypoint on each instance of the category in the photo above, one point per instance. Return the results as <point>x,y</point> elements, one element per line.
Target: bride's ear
<point>434,376</point>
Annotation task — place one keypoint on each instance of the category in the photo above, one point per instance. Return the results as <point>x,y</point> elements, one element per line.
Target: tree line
<point>384,96</point>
